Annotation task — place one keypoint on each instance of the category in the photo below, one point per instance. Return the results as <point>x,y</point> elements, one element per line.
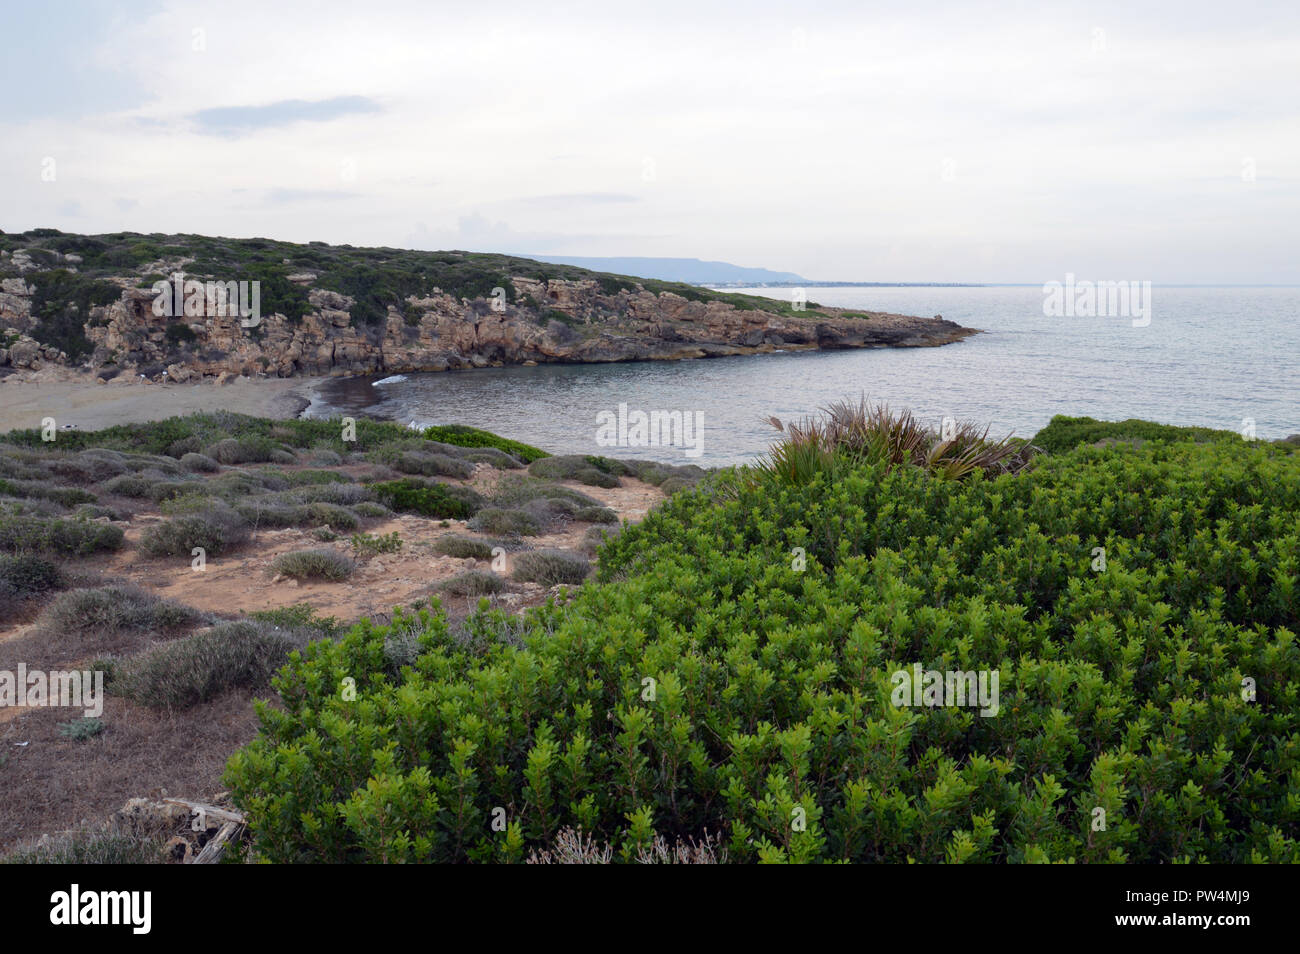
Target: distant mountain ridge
<point>692,270</point>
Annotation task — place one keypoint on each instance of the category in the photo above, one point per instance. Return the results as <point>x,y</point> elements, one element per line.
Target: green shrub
<point>199,463</point>
<point>369,544</point>
<point>513,490</point>
<point>673,484</point>
<point>505,522</point>
<point>473,583</point>
<point>299,617</point>
<point>463,436</point>
<point>773,618</point>
<point>128,485</point>
<point>371,509</point>
<point>113,609</point>
<point>595,515</point>
<point>199,667</point>
<point>308,477</point>
<point>1064,433</point>
<point>463,548</point>
<point>242,450</point>
<point>490,455</point>
<point>332,516</point>
<point>63,496</point>
<point>27,575</point>
<point>595,538</point>
<point>572,467</point>
<point>81,729</point>
<point>325,457</point>
<point>197,501</point>
<point>411,495</point>
<point>433,465</point>
<point>22,534</point>
<point>338,494</point>
<point>184,446</point>
<point>268,513</point>
<point>216,531</point>
<point>167,489</point>
<point>550,567</point>
<point>86,468</point>
<point>314,565</point>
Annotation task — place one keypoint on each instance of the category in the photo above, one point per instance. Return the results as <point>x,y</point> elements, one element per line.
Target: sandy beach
<point>88,404</point>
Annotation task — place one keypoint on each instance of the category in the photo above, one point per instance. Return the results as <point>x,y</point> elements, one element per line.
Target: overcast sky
<point>906,141</point>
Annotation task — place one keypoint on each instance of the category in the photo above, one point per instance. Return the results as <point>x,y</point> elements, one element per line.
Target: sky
<point>854,141</point>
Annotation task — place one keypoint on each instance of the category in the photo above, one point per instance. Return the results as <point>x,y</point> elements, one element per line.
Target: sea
<point>1223,357</point>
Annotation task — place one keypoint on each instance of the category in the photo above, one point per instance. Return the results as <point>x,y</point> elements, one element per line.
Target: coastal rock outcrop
<point>106,317</point>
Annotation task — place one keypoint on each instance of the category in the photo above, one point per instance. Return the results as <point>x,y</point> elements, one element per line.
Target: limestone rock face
<point>546,321</point>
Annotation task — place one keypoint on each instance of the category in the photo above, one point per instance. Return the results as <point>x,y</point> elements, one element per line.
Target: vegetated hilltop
<point>728,689</point>
<point>87,300</point>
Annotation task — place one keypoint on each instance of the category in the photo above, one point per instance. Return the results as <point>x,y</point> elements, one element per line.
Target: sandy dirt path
<point>25,399</point>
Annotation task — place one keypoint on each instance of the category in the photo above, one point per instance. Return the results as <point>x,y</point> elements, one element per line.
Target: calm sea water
<point>1213,357</point>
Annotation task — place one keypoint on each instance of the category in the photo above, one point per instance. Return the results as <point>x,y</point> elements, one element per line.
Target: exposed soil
<point>52,783</point>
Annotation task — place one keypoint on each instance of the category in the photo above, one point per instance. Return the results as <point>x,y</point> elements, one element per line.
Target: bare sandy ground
<point>26,398</point>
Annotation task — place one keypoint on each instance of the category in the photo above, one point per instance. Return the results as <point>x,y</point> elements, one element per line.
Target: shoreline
<point>88,404</point>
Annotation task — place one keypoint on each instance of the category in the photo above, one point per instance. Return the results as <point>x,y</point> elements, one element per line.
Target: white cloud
<point>910,141</point>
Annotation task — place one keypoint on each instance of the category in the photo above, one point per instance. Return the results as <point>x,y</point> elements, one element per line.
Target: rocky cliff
<point>103,318</point>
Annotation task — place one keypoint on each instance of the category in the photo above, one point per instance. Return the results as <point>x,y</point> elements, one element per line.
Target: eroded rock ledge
<point>566,321</point>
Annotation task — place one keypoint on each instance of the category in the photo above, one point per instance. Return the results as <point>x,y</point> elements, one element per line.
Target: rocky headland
<point>87,302</point>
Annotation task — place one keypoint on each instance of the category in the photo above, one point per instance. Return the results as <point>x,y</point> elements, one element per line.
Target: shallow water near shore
<point>1211,356</point>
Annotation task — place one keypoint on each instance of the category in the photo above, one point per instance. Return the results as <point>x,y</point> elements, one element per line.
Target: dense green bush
<point>770,619</point>
<point>1064,433</point>
<point>463,436</point>
<point>429,499</point>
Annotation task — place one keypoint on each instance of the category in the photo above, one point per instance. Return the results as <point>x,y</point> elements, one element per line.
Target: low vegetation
<point>550,567</point>
<point>314,565</point>
<point>198,667</point>
<point>734,671</point>
<point>84,612</point>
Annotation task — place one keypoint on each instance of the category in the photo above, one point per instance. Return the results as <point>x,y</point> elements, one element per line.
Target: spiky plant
<point>850,434</point>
